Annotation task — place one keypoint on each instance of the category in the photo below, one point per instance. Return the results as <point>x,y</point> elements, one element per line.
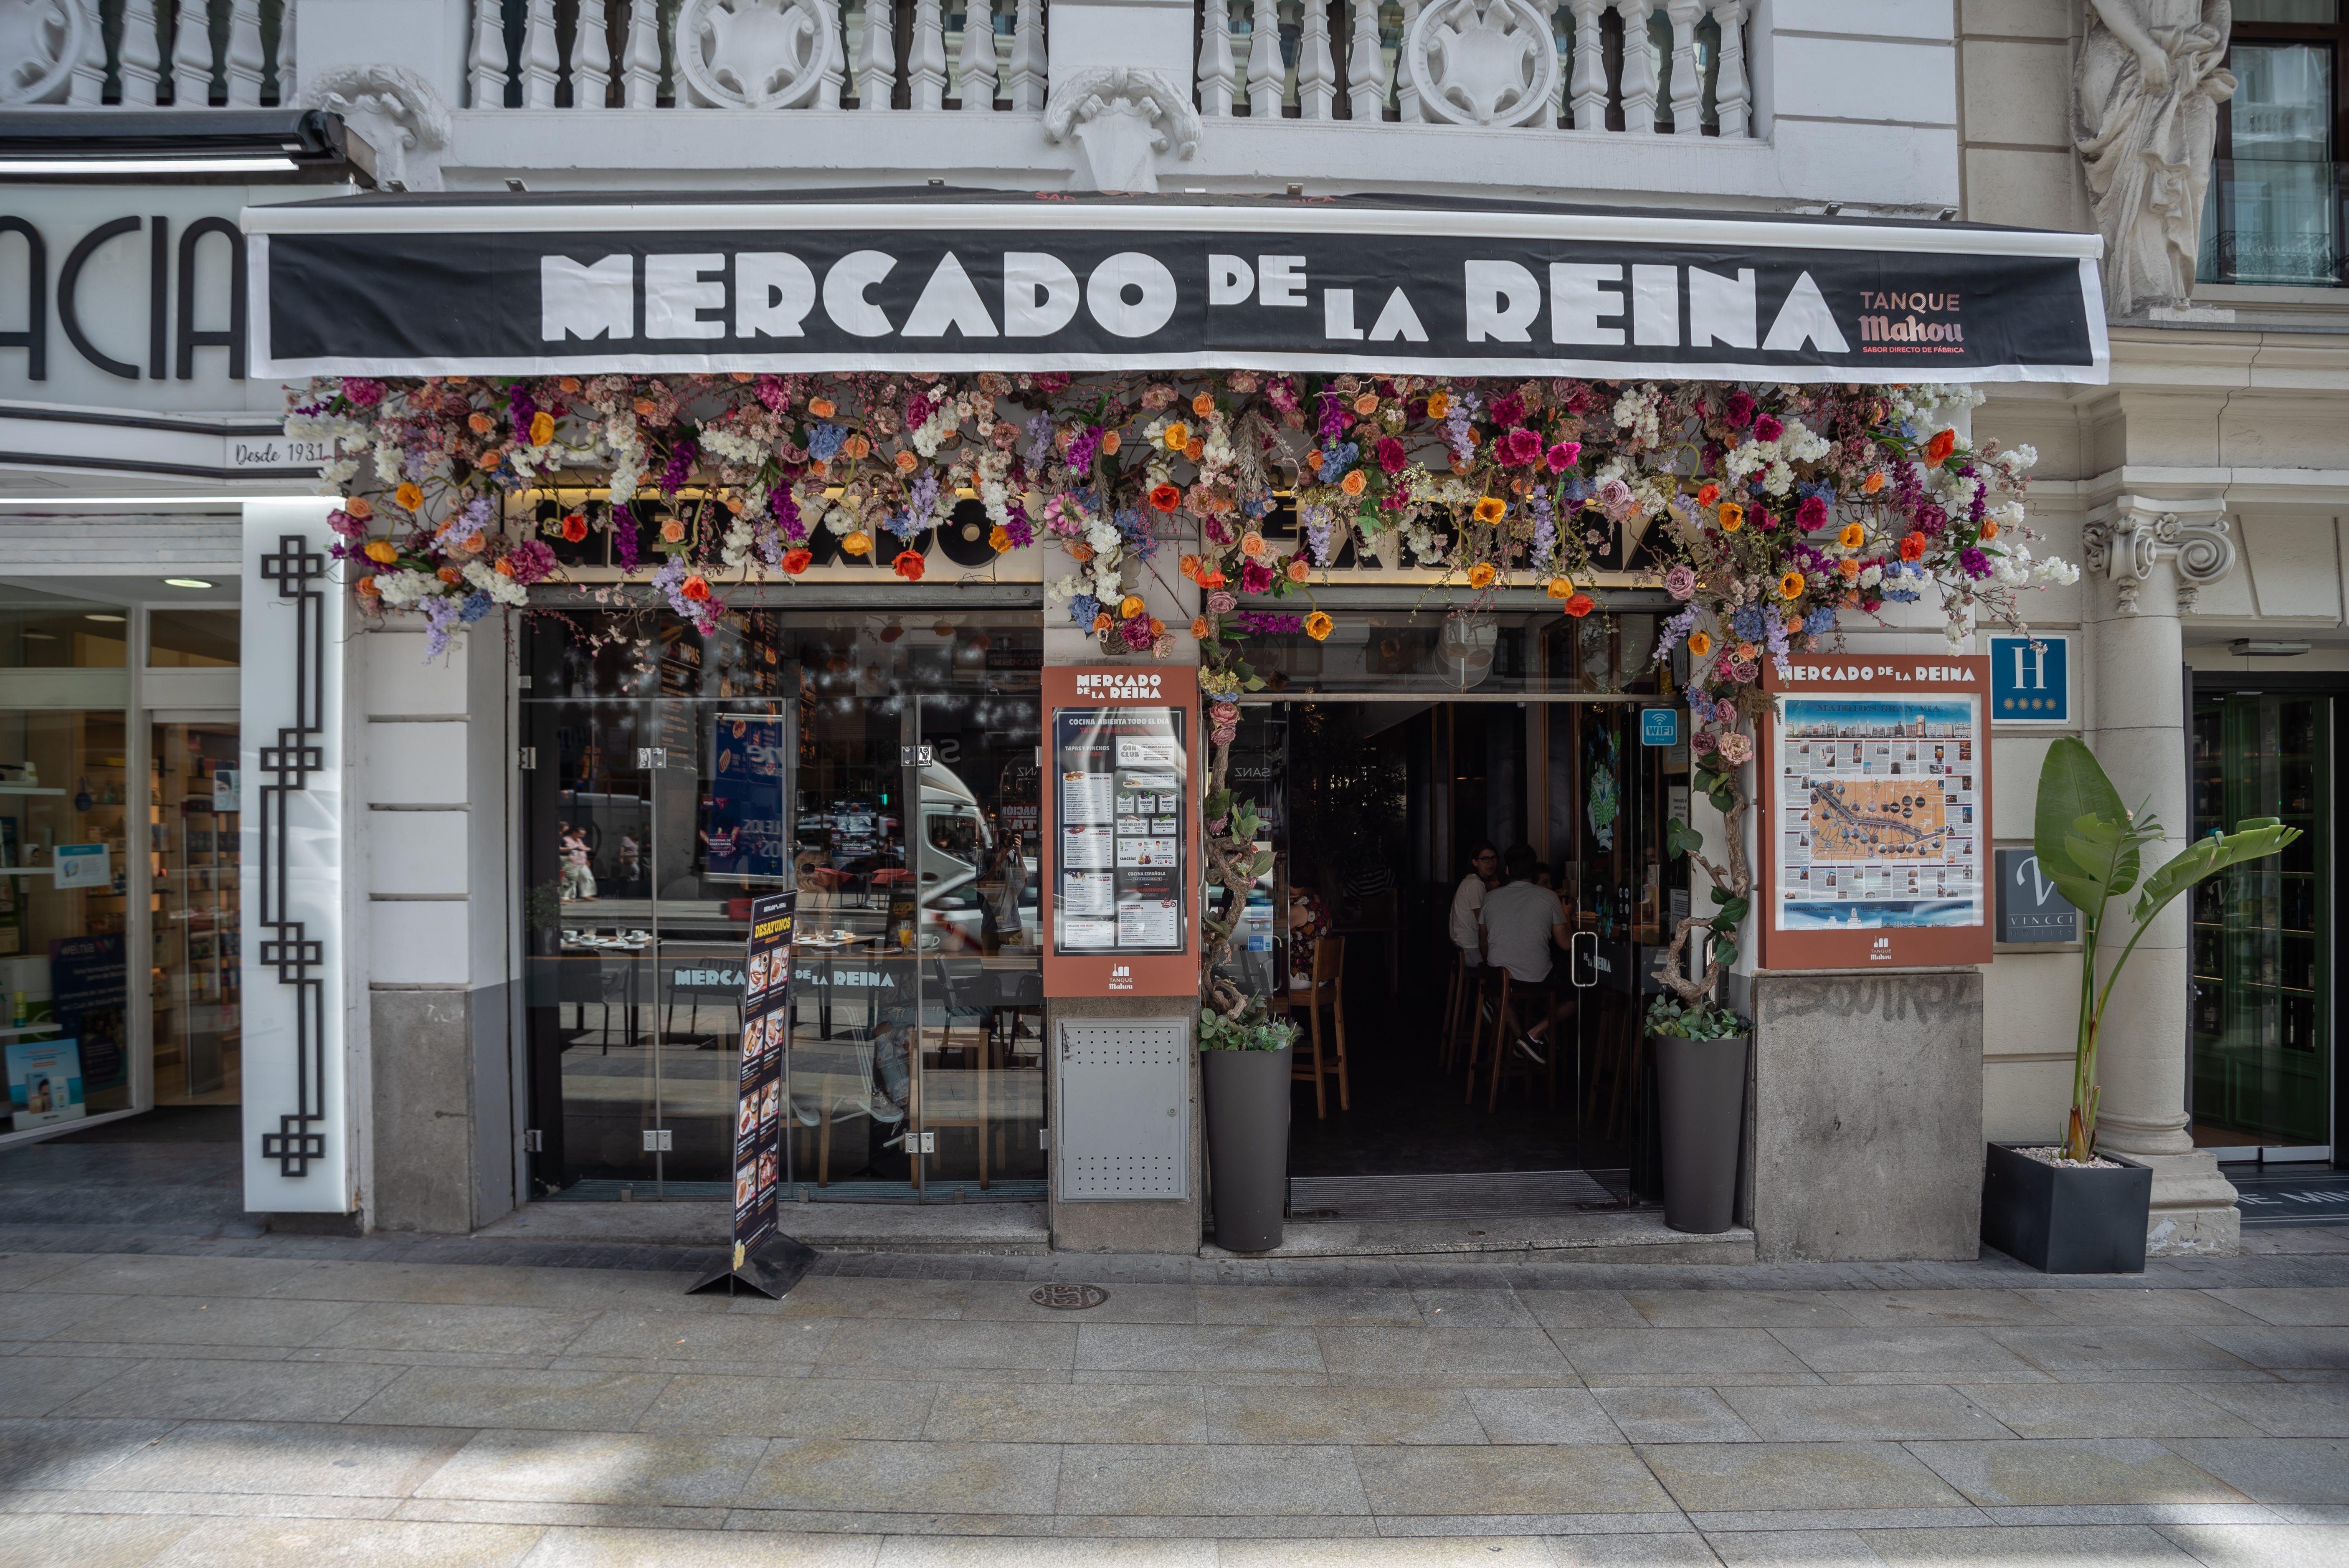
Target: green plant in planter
<point>2090,846</point>
<point>1688,1006</point>
<point>1708,1020</point>
<point>1254,1030</point>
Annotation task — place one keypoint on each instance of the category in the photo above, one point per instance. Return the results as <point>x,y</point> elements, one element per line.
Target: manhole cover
<point>1068,1298</point>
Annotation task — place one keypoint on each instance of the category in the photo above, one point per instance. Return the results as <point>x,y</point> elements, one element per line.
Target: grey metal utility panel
<point>1124,1124</point>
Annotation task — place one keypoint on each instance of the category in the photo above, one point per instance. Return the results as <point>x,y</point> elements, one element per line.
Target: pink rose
<point>1563,456</point>
<point>1221,603</point>
<point>1740,412</point>
<point>1255,578</point>
<point>1736,749</point>
<point>1520,446</point>
<point>1681,582</point>
<point>1390,455</point>
<point>1767,429</point>
<point>1702,743</point>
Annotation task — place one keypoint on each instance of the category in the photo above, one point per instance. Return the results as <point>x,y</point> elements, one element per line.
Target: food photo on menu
<point>746,1184</point>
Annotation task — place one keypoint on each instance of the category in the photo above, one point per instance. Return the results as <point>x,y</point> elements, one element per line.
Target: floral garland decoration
<point>1768,512</point>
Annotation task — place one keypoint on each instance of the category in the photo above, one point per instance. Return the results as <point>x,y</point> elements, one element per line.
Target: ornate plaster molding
<point>1483,62</point>
<point>2144,535</point>
<point>1119,118</point>
<point>402,119</point>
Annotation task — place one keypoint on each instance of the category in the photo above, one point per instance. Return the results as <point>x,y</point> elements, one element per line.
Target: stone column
<point>2148,558</point>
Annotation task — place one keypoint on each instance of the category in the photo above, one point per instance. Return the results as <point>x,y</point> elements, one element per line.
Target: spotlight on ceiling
<point>185,583</point>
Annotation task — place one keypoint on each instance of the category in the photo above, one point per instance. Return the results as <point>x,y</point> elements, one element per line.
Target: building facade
<point>456,912</point>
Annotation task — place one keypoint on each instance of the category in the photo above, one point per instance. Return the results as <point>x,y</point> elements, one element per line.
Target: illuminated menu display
<point>1119,781</point>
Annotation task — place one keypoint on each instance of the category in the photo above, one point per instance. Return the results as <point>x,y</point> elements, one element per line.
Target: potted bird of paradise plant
<point>2071,1207</point>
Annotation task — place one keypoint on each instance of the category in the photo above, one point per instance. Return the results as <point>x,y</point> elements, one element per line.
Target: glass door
<point>193,804</point>
<point>2262,936</point>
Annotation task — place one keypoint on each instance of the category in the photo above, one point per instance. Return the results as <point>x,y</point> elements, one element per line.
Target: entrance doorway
<point>1376,805</point>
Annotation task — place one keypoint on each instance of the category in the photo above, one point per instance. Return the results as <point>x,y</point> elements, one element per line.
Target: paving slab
<point>2059,1471</point>
<point>348,1543</point>
<point>736,1405</point>
<point>1745,1477</point>
<point>1205,1352</point>
<point>18,1270</point>
<point>1543,1416</point>
<point>2263,1545</point>
<point>2321,1348</point>
<point>1947,1353</point>
<point>1581,1309</point>
<point>553,1399</point>
<point>228,1390</point>
<point>2024,1546</point>
<point>849,1473</point>
<point>836,1296</point>
<point>1673,1415</point>
<point>1349,1416</point>
<point>2282,1410</point>
<point>1874,1413</point>
<point>2275,1470</point>
<point>440,1327</point>
<point>1306,1306</point>
<point>1198,1481</point>
<point>622,1467</point>
<point>1035,1552</point>
<point>623,1548</point>
<point>318,1458</point>
<point>1739,1308</point>
<point>1068,1413</point>
<point>647,1333</point>
<point>1945,1308</point>
<point>2117,1348</point>
<point>2110,1410</point>
<point>86,1539</point>
<point>166,1273</point>
<point>1451,1355</point>
<point>2137,1307</point>
<point>957,1344</point>
<point>463,1284</point>
<point>1013,1302</point>
<point>40,1384</point>
<point>2298,1307</point>
<point>1690,1355</point>
<point>184,1320</point>
<point>46,1453</point>
<point>1509,1479</point>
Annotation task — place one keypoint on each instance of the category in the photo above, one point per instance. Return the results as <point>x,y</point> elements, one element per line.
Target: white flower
<point>1869,576</point>
<point>1779,480</point>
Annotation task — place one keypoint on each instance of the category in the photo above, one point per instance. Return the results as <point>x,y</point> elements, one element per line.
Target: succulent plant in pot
<point>2071,1208</point>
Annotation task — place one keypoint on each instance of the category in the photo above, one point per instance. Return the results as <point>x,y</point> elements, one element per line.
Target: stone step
<point>1612,1236</point>
<point>1013,1230</point>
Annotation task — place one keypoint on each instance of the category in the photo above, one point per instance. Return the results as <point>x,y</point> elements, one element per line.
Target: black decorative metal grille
<point>286,769</point>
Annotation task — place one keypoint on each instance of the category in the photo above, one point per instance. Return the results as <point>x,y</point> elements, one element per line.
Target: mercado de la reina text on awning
<point>579,633</point>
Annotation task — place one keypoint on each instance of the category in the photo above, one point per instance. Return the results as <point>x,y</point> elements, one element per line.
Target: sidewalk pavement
<point>314,1401</point>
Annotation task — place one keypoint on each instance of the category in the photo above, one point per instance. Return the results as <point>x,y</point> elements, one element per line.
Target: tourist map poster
<point>1875,820</point>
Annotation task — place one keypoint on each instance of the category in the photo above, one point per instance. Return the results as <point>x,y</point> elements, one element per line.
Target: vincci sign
<point>107,293</point>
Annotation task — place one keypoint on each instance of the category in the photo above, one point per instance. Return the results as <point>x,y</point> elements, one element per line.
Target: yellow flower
<point>1481,576</point>
<point>1129,607</point>
<point>858,544</point>
<point>1561,588</point>
<point>1318,626</point>
<point>1733,517</point>
<point>1700,643</point>
<point>1852,537</point>
<point>1439,403</point>
<point>410,495</point>
<point>1177,436</point>
<point>1790,586</point>
<point>1492,509</point>
<point>541,427</point>
<point>996,540</point>
<point>382,552</point>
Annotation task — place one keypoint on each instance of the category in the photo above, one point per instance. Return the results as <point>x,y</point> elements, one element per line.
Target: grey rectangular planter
<point>2065,1220</point>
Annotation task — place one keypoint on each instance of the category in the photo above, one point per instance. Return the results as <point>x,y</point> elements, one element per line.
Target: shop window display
<point>194,798</point>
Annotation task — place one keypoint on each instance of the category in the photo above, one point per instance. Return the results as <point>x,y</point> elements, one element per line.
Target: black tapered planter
<point>1702,1086</point>
<point>2063,1218</point>
<point>1247,1144</point>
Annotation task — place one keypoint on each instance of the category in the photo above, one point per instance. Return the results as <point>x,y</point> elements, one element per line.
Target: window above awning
<point>904,280</point>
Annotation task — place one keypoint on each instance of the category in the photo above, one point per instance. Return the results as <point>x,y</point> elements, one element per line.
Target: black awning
<point>898,281</point>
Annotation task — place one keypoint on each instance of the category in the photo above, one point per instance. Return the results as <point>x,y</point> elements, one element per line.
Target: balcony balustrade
<point>141,54</point>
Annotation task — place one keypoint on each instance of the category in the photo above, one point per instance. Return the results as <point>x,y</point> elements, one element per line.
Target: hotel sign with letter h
<point>2031,680</point>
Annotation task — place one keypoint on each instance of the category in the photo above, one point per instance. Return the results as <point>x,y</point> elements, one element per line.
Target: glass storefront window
<point>193,800</point>
<point>886,766</point>
<point>2262,937</point>
<point>44,631</point>
<point>1432,652</point>
<point>192,639</point>
<point>65,801</point>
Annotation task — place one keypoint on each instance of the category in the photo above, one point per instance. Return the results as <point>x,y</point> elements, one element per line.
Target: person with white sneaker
<point>1522,922</point>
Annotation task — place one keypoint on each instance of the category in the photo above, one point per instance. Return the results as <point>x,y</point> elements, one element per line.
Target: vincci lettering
<point>1119,686</point>
<point>54,264</point>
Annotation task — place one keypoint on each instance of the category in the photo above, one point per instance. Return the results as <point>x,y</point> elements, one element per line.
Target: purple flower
<point>1740,412</point>
<point>1136,633</point>
<point>531,561</point>
<point>680,464</point>
<point>1256,577</point>
<point>1768,428</point>
<point>1812,513</point>
<point>1975,562</point>
<point>1017,527</point>
<point>624,538</point>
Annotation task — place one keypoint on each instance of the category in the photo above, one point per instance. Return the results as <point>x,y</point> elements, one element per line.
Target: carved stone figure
<point>397,113</point>
<point>2147,90</point>
<point>757,54</point>
<point>1483,62</point>
<point>40,41</point>
<point>1119,117</point>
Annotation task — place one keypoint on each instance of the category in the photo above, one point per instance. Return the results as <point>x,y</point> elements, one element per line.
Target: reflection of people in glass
<point>579,876</point>
<point>1001,884</point>
<point>631,867</point>
<point>1309,922</point>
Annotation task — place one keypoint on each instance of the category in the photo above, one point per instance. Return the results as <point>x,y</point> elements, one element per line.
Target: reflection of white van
<point>954,842</point>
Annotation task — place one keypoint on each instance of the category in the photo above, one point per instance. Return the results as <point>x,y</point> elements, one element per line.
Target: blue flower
<point>477,605</point>
<point>824,440</point>
<point>1747,623</point>
<point>1822,620</point>
<point>1083,608</point>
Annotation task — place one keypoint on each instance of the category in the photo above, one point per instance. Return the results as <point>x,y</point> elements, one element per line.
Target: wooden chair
<point>1507,1062</point>
<point>1481,995</point>
<point>1327,989</point>
<point>1457,1001</point>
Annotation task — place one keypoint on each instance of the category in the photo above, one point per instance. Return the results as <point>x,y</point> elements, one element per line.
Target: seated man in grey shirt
<point>1523,923</point>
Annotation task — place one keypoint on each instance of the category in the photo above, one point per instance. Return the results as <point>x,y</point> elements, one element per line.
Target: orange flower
<point>410,495</point>
<point>490,459</point>
<point>476,544</point>
<point>541,427</point>
<point>366,586</point>
<point>1129,607</point>
<point>1492,509</point>
<point>1871,484</point>
<point>1081,551</point>
<point>1989,529</point>
<point>1849,567</point>
<point>382,552</point>
<point>1700,643</point>
<point>1166,497</point>
<point>1912,546</point>
<point>1111,441</point>
<point>1733,517</point>
<point>569,384</point>
<point>741,375</point>
<point>1852,537</point>
<point>1367,403</point>
<point>1298,569</point>
<point>1354,482</point>
<point>505,567</point>
<point>1213,577</point>
<point>797,561</point>
<point>1481,576</point>
<point>821,408</point>
<point>1203,404</point>
<point>575,528</point>
<point>818,467</point>
<point>998,539</point>
<point>1708,494</point>
<point>1746,651</point>
<point>857,447</point>
<point>450,575</point>
<point>672,530</point>
<point>734,504</point>
<point>857,543</point>
<point>1251,544</point>
<point>1561,588</point>
<point>645,407</point>
<point>1581,604</point>
<point>357,509</point>
<point>481,424</point>
<point>907,462</point>
<point>1157,628</point>
<point>1439,403</point>
<point>1790,586</point>
<point>696,588</point>
<point>1199,627</point>
<point>1939,449</point>
<point>1189,567</point>
<point>1194,449</point>
<point>1313,460</point>
<point>1101,622</point>
<point>1318,626</point>
<point>909,565</point>
<point>1177,436</point>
